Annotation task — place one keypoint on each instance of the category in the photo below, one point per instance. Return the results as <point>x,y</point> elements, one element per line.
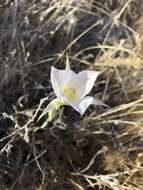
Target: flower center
<point>69,92</point>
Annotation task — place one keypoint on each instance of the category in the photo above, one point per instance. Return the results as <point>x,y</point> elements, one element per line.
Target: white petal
<point>85,103</point>
<point>60,77</point>
<point>84,81</point>
<point>99,103</point>
<point>82,106</point>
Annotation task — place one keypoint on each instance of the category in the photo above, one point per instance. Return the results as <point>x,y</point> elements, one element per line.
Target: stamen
<point>69,92</point>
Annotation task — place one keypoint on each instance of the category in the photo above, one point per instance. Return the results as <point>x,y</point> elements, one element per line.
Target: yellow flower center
<point>69,92</point>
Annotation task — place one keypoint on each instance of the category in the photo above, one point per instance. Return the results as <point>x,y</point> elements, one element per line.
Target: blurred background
<point>104,148</point>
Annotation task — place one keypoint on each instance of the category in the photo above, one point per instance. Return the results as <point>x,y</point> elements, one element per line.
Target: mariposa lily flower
<point>72,89</point>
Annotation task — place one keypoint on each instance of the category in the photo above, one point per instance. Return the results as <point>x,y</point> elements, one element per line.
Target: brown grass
<point>104,148</point>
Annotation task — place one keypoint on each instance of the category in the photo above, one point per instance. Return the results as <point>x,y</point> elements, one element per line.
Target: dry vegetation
<point>102,150</point>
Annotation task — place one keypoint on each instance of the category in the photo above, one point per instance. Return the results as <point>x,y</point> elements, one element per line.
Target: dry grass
<point>102,150</point>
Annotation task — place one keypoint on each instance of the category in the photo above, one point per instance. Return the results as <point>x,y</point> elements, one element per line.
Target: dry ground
<point>104,148</point>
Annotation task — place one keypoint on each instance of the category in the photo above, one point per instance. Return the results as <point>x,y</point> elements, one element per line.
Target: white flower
<point>72,88</point>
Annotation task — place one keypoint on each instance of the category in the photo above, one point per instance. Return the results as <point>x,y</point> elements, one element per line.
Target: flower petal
<point>82,106</point>
<point>84,81</point>
<point>60,77</point>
